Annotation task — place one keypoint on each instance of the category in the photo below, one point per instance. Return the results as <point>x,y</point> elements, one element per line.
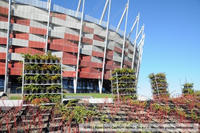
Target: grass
<point>94,95</point>
<point>15,97</point>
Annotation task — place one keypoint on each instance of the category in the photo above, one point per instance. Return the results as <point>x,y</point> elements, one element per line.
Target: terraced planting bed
<point>164,115</point>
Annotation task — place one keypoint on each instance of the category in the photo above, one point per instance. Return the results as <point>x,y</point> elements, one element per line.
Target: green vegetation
<point>94,95</point>
<point>123,82</point>
<point>159,85</point>
<point>15,97</point>
<point>188,88</point>
<point>42,79</point>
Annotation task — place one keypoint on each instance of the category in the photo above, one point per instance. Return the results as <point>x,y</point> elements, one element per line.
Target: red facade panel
<point>128,63</point>
<point>28,50</point>
<point>66,48</point>
<point>119,50</point>
<point>109,67</point>
<point>84,75</point>
<point>87,40</point>
<point>5,19</point>
<point>15,71</point>
<point>3,10</point>
<point>23,22</point>
<point>58,41</point>
<point>98,38</point>
<point>95,75</point>
<point>109,55</point>
<point>2,70</point>
<point>35,44</point>
<point>60,16</point>
<point>38,31</point>
<point>69,74</point>
<point>68,55</point>
<point>3,40</point>
<point>70,48</point>
<point>24,36</point>
<point>69,61</point>
<point>88,30</point>
<point>70,43</point>
<point>107,76</point>
<point>89,69</point>
<point>58,47</point>
<point>96,65</point>
<point>98,54</point>
<point>89,75</point>
<point>2,55</point>
<point>84,63</point>
<point>71,37</point>
<point>85,58</point>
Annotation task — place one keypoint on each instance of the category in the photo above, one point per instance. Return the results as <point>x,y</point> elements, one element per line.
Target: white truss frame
<point>135,45</point>
<point>7,47</point>
<point>79,46</point>
<point>124,41</point>
<point>48,22</point>
<point>106,43</point>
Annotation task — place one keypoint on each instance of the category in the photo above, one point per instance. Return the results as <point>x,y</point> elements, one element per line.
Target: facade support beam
<point>105,48</point>
<point>134,24</point>
<point>135,45</point>
<point>48,22</point>
<point>140,58</point>
<point>78,8</point>
<point>124,41</point>
<point>121,19</point>
<point>7,47</point>
<point>79,46</point>
<point>103,13</point>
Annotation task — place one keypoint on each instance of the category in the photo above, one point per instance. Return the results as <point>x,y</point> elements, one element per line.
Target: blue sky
<point>172,43</point>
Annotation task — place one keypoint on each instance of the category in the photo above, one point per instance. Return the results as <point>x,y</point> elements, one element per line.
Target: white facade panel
<point>113,35</point>
<point>73,25</point>
<point>19,42</point>
<point>96,59</point>
<point>119,40</point>
<point>16,57</point>
<point>90,36</point>
<point>71,31</point>
<point>37,38</point>
<point>58,21</point>
<point>86,52</point>
<point>94,48</point>
<point>72,19</point>
<point>59,28</point>
<point>3,25</point>
<point>99,43</point>
<point>21,28</point>
<point>3,4</point>
<point>111,45</point>
<point>58,54</point>
<point>31,12</point>
<point>3,34</point>
<point>2,48</point>
<point>56,34</point>
<point>87,47</point>
<point>37,24</point>
<point>130,55</point>
<point>68,68</point>
<point>130,46</point>
<point>92,25</point>
<point>100,32</point>
<point>117,58</point>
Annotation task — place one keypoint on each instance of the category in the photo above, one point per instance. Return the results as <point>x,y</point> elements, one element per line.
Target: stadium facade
<point>89,48</point>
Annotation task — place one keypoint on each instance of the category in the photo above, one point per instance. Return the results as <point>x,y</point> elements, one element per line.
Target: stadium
<point>89,48</point>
